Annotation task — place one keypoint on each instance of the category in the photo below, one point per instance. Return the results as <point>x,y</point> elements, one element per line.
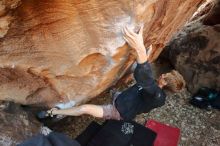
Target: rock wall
<point>16,125</point>
<point>6,7</point>
<point>195,50</point>
<point>197,56</point>
<point>70,50</point>
<point>213,17</point>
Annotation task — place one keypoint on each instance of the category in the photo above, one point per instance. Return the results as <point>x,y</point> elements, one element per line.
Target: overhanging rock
<point>62,50</point>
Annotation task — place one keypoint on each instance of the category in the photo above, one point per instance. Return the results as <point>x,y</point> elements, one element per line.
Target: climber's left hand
<point>135,40</point>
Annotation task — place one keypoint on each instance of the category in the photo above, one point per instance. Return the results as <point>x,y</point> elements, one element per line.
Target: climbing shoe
<point>206,98</point>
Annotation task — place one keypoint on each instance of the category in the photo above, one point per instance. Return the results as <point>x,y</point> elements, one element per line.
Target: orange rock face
<point>71,50</point>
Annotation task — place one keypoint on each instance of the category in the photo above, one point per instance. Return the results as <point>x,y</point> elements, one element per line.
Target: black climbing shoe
<point>206,98</point>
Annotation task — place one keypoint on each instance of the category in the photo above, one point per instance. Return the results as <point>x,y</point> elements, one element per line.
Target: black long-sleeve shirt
<point>142,97</point>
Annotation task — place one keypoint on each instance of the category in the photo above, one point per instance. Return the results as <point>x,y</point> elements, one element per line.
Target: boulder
<point>213,17</point>
<point>195,50</point>
<point>70,50</point>
<point>16,125</point>
<point>195,53</point>
<point>6,7</point>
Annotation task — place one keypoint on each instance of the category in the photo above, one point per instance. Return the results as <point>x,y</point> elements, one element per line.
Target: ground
<point>198,127</point>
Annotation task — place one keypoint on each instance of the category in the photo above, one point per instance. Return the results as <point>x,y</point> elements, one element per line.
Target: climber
<point>142,97</point>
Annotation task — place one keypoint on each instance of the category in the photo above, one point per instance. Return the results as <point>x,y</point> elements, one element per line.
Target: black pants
<point>116,133</point>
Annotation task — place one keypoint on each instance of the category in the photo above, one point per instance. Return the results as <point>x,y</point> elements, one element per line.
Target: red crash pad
<point>166,135</point>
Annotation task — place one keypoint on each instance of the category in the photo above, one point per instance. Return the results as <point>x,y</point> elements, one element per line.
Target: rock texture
<point>195,52</point>
<point>6,7</point>
<point>62,50</point>
<point>213,17</point>
<point>16,125</point>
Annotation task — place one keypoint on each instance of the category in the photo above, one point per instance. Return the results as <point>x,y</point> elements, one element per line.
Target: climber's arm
<point>143,73</point>
<point>89,109</point>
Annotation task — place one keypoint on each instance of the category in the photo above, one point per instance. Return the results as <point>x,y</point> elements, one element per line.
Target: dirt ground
<point>198,127</point>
